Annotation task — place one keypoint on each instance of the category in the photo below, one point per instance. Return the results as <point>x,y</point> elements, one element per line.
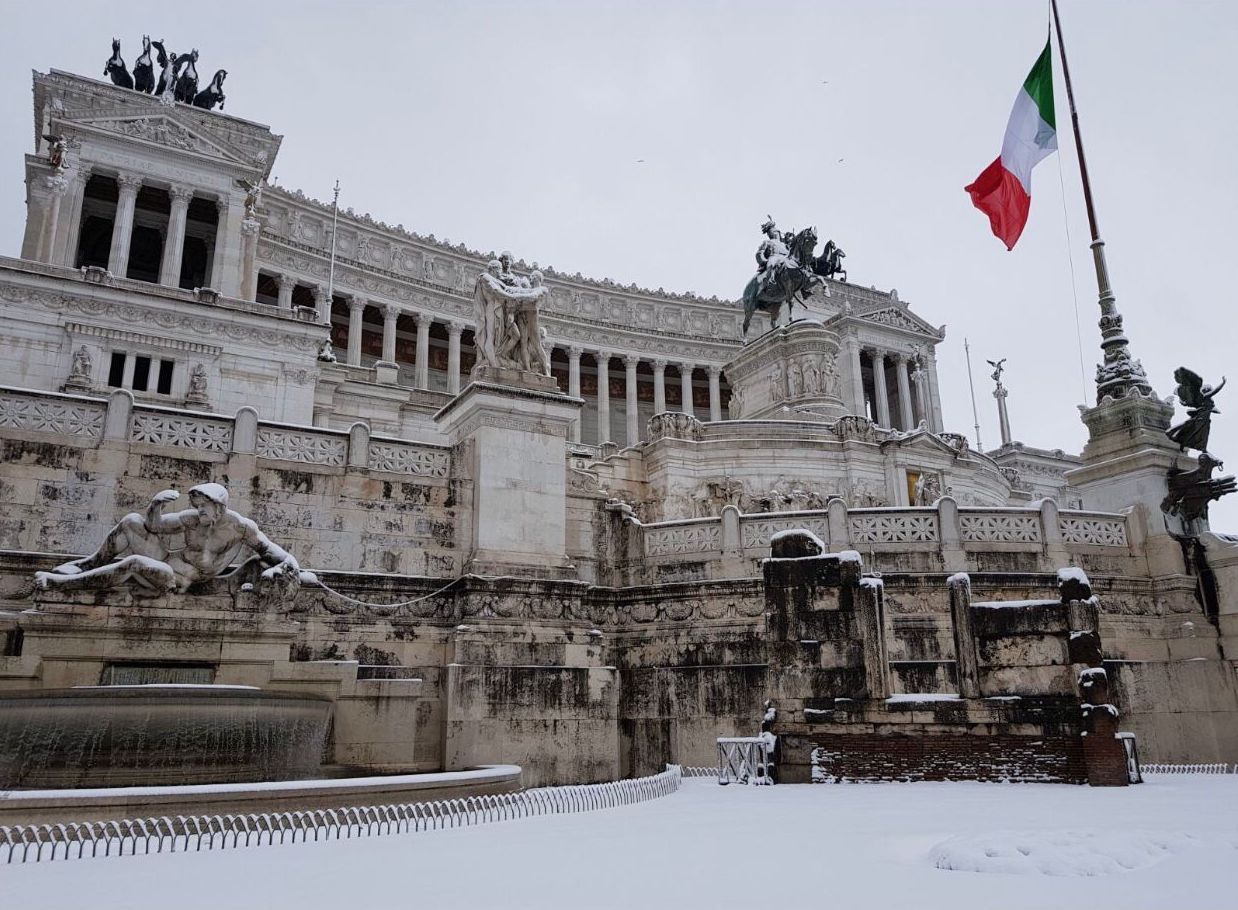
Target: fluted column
<point>904,392</point>
<point>573,383</point>
<point>879,388</point>
<point>356,310</point>
<point>857,377</point>
<point>390,314</point>
<point>65,250</point>
<point>630,363</point>
<point>174,246</point>
<point>323,305</point>
<point>659,386</point>
<point>603,360</point>
<point>122,227</point>
<point>56,186</point>
<point>423,350</point>
<point>286,285</point>
<point>685,386</point>
<point>936,421</point>
<point>715,393</point>
<point>454,330</point>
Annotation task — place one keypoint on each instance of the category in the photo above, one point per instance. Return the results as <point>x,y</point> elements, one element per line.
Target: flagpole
<point>975,413</point>
<point>335,223</point>
<point>1119,376</point>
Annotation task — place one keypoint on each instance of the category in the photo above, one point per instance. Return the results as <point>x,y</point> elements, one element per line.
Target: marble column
<point>65,251</point>
<point>715,393</point>
<point>659,386</point>
<point>286,285</point>
<point>423,350</point>
<point>904,392</point>
<point>630,363</point>
<point>223,211</point>
<point>390,314</point>
<point>857,377</point>
<point>573,383</point>
<point>56,186</point>
<point>454,330</point>
<point>122,226</point>
<point>323,304</point>
<point>934,392</point>
<point>879,389</point>
<point>603,360</point>
<point>685,387</point>
<point>356,309</point>
<point>174,245</point>
<point>249,258</point>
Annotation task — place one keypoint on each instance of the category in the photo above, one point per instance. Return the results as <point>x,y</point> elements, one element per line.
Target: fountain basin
<point>119,736</point>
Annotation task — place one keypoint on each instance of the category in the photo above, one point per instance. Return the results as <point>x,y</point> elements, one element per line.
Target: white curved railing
<point>1197,768</point>
<point>75,840</point>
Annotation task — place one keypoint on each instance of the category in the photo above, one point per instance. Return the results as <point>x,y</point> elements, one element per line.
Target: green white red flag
<point>1003,191</point>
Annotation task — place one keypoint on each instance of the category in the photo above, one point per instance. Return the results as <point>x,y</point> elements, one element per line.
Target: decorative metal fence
<point>1204,768</point>
<point>42,843</point>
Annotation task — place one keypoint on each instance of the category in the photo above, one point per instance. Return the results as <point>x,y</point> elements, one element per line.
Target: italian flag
<point>1003,191</point>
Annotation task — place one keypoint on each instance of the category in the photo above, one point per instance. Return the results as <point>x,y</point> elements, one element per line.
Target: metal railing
<point>1197,768</point>
<point>76,840</point>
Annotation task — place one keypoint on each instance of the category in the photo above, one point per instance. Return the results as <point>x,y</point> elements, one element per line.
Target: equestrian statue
<point>787,271</point>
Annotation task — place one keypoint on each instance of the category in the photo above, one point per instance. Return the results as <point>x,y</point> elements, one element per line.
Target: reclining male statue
<point>155,553</point>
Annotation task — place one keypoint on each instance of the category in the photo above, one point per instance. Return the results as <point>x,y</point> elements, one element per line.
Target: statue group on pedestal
<point>177,79</point>
<point>505,307</point>
<point>788,270</point>
<point>155,553</point>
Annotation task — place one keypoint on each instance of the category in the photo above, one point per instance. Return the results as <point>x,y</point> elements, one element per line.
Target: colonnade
<point>915,396</point>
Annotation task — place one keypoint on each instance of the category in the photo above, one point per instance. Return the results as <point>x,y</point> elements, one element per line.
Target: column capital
<point>455,328</point>
<point>659,365</point>
<point>181,192</point>
<point>129,183</point>
<point>878,354</point>
<point>250,226</point>
<point>715,371</point>
<point>687,367</point>
<point>320,292</point>
<point>574,351</point>
<point>56,184</point>
<point>83,173</point>
<point>390,311</point>
<point>426,319</point>
<point>356,302</point>
<point>631,360</point>
<point>222,203</point>
<point>603,357</point>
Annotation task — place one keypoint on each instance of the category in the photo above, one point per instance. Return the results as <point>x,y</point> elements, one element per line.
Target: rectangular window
<point>116,371</point>
<point>141,373</point>
<point>164,386</point>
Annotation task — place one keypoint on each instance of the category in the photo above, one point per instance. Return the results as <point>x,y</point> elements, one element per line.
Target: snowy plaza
<point>1169,843</point>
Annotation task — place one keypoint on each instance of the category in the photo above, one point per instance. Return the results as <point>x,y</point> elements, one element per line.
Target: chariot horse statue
<point>784,278</point>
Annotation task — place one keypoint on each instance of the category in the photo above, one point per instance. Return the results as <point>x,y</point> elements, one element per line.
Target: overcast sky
<point>647,141</point>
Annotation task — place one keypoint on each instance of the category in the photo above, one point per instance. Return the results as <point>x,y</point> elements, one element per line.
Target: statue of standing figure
<point>505,306</point>
<point>154,553</point>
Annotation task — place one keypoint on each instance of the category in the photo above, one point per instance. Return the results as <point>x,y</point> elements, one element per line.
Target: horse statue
<point>213,94</point>
<point>144,69</point>
<point>187,83</point>
<point>167,70</point>
<point>830,263</point>
<point>115,67</point>
<point>784,280</point>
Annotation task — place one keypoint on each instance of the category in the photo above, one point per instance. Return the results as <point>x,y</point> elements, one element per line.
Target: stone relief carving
<point>404,459</point>
<point>80,373</point>
<point>1000,528</point>
<point>200,434</point>
<point>74,418</point>
<point>853,426</point>
<point>675,425</point>
<point>302,447</point>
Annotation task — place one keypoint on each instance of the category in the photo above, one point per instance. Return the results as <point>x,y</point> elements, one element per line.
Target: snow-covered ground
<point>1171,843</point>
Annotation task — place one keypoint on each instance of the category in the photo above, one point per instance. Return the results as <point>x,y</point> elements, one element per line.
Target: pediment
<point>162,128</point>
<point>899,318</point>
<point>924,441</point>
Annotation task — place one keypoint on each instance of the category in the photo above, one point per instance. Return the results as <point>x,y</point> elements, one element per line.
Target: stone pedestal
<point>795,366</point>
<point>1125,465</point>
<point>511,442</point>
